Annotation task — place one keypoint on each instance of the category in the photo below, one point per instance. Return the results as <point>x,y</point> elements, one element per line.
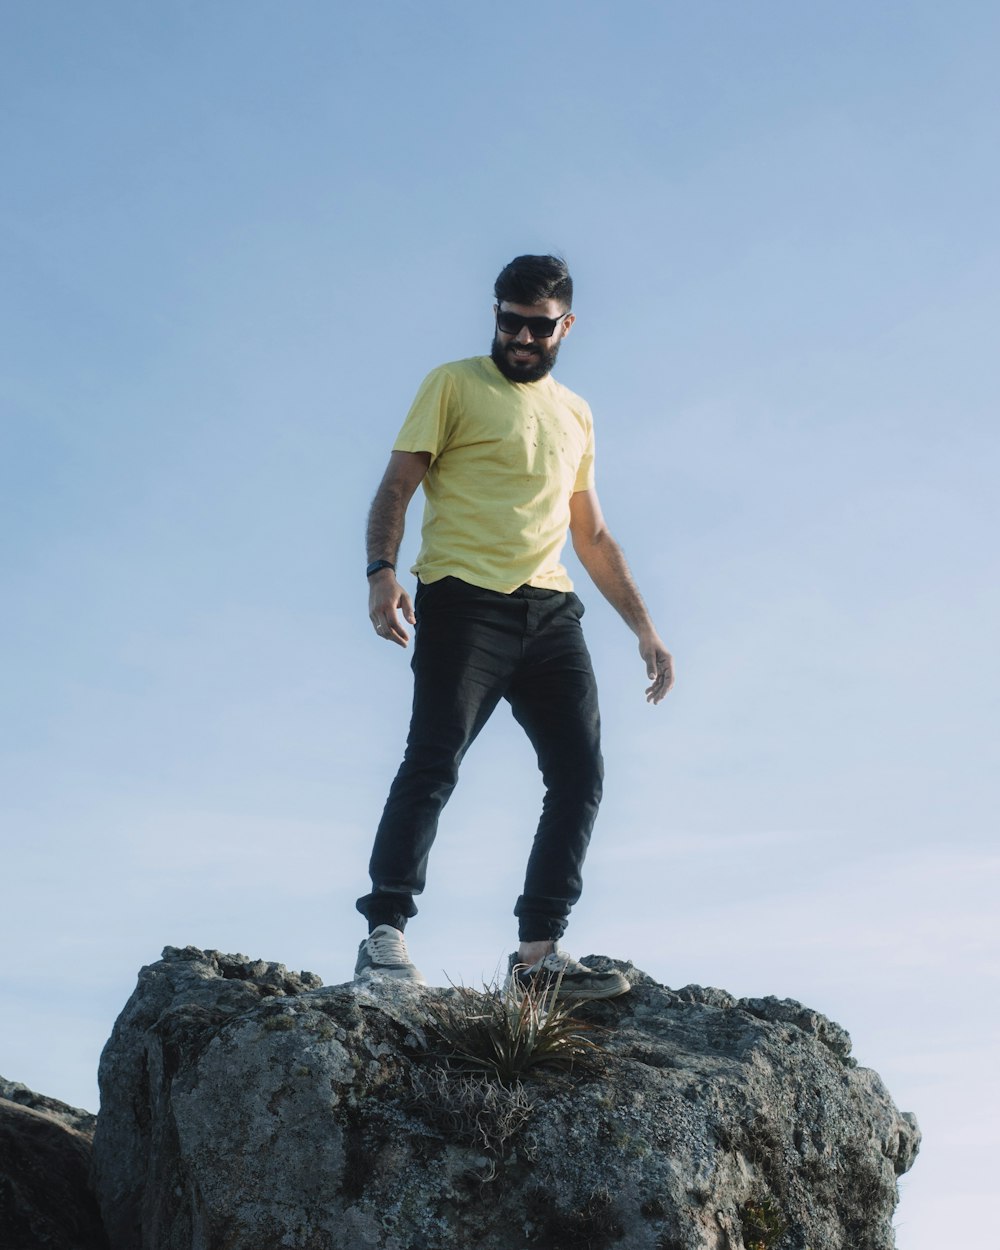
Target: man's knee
<point>577,778</point>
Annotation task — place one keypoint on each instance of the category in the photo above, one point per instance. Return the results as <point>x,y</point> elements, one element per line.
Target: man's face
<point>522,357</point>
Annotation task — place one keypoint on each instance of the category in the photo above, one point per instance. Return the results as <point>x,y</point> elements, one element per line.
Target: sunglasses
<point>538,327</point>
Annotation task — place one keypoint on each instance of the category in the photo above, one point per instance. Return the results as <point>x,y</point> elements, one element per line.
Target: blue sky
<point>236,236</point>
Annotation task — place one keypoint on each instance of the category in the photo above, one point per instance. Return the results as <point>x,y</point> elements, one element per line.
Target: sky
<point>236,236</point>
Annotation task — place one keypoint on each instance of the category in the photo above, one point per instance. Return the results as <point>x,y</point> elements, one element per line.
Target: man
<point>505,456</point>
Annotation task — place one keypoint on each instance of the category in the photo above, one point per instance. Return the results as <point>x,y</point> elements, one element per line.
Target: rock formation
<point>45,1197</point>
<point>244,1107</point>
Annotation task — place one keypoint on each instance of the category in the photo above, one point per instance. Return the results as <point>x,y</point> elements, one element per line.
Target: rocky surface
<point>248,1108</point>
<point>45,1197</point>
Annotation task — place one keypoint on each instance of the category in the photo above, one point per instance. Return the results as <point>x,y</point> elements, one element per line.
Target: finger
<point>385,627</point>
<point>393,631</point>
<point>406,605</point>
<point>664,680</point>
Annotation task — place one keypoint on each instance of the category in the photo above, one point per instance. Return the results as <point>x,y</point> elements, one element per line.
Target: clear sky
<point>234,239</point>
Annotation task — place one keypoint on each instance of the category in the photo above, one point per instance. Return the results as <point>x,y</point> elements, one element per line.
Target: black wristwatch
<point>379,564</point>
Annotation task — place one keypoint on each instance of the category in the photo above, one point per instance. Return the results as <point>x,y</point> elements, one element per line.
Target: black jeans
<point>472,648</point>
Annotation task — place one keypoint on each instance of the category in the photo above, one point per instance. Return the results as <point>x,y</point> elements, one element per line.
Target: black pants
<point>472,648</point>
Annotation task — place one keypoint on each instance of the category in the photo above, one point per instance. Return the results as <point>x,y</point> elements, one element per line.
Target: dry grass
<point>502,1033</point>
<point>472,1108</point>
<point>763,1224</point>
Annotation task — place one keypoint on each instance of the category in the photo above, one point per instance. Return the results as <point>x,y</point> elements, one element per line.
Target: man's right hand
<point>386,598</point>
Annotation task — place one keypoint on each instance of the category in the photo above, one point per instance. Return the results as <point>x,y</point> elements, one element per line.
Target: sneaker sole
<point>572,993</point>
<point>388,974</point>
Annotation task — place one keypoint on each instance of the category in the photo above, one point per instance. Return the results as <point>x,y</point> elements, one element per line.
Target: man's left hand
<point>659,666</point>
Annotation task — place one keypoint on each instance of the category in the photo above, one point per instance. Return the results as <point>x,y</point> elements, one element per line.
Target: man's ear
<point>567,324</point>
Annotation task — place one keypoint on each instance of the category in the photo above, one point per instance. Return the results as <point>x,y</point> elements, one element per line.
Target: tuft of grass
<point>502,1033</point>
<point>763,1224</point>
<point>588,1223</point>
<point>471,1108</point>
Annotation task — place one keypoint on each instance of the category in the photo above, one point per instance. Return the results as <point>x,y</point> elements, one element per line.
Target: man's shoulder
<point>465,383</point>
<point>471,369</point>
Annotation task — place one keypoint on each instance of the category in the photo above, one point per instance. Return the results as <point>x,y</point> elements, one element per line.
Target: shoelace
<point>563,962</point>
<point>390,948</point>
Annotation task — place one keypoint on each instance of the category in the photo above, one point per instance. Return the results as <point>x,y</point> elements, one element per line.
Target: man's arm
<point>386,520</point>
<point>605,561</point>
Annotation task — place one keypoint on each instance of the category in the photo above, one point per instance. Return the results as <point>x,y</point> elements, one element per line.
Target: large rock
<point>247,1108</point>
<point>45,1197</point>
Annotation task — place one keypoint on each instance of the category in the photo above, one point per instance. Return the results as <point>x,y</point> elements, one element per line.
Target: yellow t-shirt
<point>505,458</point>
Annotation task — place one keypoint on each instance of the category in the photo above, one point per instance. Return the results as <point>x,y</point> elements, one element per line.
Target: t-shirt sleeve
<point>428,424</point>
<point>585,471</point>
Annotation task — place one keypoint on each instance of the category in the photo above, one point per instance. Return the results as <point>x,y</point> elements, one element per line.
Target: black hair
<point>533,280</point>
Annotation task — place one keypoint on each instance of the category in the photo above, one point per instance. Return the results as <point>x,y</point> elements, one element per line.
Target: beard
<point>533,370</point>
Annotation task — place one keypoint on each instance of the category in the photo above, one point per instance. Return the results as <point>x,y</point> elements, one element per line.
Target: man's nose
<point>523,335</point>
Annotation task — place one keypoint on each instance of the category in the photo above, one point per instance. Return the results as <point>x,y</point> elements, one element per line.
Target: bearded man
<point>505,455</point>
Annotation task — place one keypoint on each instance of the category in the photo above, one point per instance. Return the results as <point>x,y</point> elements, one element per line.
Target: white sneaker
<point>570,979</point>
<point>383,954</point>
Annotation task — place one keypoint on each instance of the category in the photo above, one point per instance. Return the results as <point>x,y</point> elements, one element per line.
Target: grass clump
<point>763,1224</point>
<point>592,1223</point>
<point>502,1033</point>
<point>472,1108</point>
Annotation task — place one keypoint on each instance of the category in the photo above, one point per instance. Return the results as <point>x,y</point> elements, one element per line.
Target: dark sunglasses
<point>538,327</point>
